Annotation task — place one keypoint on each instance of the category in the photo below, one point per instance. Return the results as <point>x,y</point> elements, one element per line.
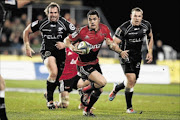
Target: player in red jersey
<point>69,79</point>
<point>88,66</point>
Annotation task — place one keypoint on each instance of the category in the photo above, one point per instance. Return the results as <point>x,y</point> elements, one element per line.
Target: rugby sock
<point>2,106</point>
<point>50,90</point>
<point>94,97</point>
<point>128,96</point>
<point>119,87</point>
<point>89,88</point>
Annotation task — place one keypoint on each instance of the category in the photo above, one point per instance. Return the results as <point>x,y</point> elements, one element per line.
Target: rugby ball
<point>84,46</point>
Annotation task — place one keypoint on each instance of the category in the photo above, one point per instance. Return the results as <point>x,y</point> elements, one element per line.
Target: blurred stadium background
<point>113,14</point>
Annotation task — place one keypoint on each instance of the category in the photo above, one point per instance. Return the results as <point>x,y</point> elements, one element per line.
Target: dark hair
<point>93,12</point>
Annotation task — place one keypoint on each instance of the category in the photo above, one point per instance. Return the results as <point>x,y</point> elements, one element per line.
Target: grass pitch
<point>155,101</point>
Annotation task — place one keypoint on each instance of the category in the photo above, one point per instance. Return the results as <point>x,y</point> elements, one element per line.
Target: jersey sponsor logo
<point>72,27</point>
<point>52,36</point>
<point>52,25</point>
<point>136,28</point>
<point>47,30</point>
<point>86,37</point>
<point>135,40</point>
<point>132,33</point>
<point>34,23</point>
<point>97,46</point>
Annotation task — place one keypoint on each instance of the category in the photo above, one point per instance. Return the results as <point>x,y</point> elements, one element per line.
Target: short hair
<point>93,12</point>
<point>137,9</point>
<point>51,5</point>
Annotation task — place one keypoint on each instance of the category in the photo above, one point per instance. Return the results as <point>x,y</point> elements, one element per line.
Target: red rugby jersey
<point>70,69</point>
<point>95,39</point>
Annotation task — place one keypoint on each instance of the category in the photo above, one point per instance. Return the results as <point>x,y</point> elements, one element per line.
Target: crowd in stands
<point>11,41</point>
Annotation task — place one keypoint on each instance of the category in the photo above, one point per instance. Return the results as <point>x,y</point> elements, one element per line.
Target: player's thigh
<point>131,77</point>
<point>81,83</point>
<point>50,63</point>
<point>97,78</point>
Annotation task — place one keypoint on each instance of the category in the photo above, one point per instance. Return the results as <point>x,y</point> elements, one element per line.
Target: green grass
<point>32,106</point>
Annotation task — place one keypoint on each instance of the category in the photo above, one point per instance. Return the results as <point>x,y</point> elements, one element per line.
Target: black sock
<point>128,96</point>
<point>2,110</point>
<point>94,98</point>
<point>50,90</point>
<point>119,87</point>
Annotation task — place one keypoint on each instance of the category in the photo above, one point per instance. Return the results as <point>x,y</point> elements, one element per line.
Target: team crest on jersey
<point>72,27</point>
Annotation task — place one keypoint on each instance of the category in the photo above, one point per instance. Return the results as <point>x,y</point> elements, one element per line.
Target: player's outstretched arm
<point>26,34</point>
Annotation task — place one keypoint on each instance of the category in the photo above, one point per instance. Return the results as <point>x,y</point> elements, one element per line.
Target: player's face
<point>93,22</point>
<point>136,17</point>
<point>53,14</point>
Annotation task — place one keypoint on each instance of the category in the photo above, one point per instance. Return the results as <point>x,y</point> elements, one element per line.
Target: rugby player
<point>88,64</point>
<point>131,35</point>
<point>5,6</point>
<point>54,29</point>
<point>69,80</point>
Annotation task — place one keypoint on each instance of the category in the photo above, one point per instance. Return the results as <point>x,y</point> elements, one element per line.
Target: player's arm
<point>149,56</point>
<point>21,3</point>
<point>26,40</point>
<point>68,43</point>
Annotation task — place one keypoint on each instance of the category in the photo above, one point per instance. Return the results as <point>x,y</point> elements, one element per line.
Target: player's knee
<point>103,83</point>
<point>129,89</point>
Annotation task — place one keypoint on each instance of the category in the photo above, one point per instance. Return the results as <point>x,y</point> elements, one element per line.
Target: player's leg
<point>82,83</point>
<point>93,98</point>
<point>131,81</point>
<point>64,99</point>
<point>116,89</point>
<point>50,63</point>
<point>98,81</point>
<point>2,99</point>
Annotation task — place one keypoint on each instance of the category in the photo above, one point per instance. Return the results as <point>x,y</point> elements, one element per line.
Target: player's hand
<point>29,51</point>
<point>60,45</point>
<point>149,57</point>
<point>124,54</point>
<point>74,49</point>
